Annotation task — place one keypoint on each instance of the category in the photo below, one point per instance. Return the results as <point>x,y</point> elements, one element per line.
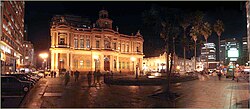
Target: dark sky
<point>128,17</point>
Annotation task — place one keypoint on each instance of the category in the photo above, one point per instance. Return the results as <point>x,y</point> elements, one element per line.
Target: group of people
<point>97,76</point>
<point>53,74</point>
<point>67,76</point>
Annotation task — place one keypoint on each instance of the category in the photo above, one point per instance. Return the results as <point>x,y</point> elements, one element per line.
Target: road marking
<point>52,94</point>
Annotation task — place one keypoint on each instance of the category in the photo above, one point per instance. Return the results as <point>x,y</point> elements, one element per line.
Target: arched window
<point>106,43</point>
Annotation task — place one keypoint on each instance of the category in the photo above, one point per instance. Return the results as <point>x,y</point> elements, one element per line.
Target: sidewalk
<point>213,94</point>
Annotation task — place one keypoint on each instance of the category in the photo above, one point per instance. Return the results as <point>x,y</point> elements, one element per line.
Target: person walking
<point>67,78</point>
<point>219,75</point>
<point>51,74</point>
<point>95,76</point>
<point>54,74</point>
<point>89,76</point>
<point>237,75</point>
<point>98,76</point>
<point>76,75</point>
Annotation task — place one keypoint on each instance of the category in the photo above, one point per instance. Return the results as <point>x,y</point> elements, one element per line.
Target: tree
<point>195,31</point>
<point>219,28</point>
<point>206,31</point>
<point>165,20</point>
<point>186,21</point>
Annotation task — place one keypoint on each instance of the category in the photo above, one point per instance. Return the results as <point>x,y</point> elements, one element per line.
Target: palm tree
<point>206,31</point>
<point>194,33</point>
<point>184,24</point>
<point>219,28</point>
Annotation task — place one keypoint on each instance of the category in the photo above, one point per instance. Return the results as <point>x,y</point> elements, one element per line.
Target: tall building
<point>76,45</point>
<point>211,52</point>
<point>12,35</point>
<point>226,45</point>
<point>244,53</point>
<point>248,27</point>
<point>28,53</point>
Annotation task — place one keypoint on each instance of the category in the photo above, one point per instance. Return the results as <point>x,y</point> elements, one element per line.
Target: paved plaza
<point>211,93</point>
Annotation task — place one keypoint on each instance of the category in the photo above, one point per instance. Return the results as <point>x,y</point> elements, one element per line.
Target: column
<point>56,39</point>
<point>68,39</point>
<point>111,60</point>
<point>52,61</point>
<point>101,62</point>
<point>71,60</point>
<point>56,61</point>
<point>68,67</point>
<point>117,63</point>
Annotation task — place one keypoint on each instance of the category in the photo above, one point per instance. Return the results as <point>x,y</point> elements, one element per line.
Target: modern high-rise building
<point>12,35</point>
<point>226,45</point>
<point>76,45</point>
<point>211,52</point>
<point>244,54</point>
<point>248,28</point>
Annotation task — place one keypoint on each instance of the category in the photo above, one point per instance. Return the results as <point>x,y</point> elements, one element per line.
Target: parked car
<point>22,77</point>
<point>13,85</point>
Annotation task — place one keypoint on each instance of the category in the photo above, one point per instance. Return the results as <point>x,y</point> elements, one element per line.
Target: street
<point>194,94</point>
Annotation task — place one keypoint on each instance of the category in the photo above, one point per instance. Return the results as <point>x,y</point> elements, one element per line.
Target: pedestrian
<point>219,75</point>
<point>67,78</point>
<point>237,75</point>
<point>51,74</point>
<point>76,75</point>
<point>89,76</point>
<point>112,74</point>
<point>54,74</point>
<point>98,76</point>
<point>95,76</point>
<point>71,73</point>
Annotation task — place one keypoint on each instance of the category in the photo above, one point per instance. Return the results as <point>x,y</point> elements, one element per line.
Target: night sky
<point>128,17</point>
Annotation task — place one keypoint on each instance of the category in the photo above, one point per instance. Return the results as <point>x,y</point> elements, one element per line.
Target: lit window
<point>75,42</point>
<point>81,64</point>
<point>88,43</point>
<point>88,63</point>
<point>97,44</point>
<point>81,43</point>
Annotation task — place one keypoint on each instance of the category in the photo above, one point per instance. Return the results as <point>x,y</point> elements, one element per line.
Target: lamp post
<point>133,61</point>
<point>44,56</point>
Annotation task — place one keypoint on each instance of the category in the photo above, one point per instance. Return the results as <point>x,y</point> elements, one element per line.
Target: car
<point>13,85</point>
<point>22,77</point>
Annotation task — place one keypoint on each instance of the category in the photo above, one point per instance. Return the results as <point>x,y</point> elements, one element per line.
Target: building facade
<point>156,64</point>
<point>226,45</point>
<point>12,35</point>
<point>248,28</point>
<point>210,53</point>
<point>76,45</point>
<point>28,53</point>
<point>244,54</point>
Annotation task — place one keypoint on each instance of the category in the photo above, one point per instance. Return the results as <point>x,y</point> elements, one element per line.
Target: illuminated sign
<point>233,53</point>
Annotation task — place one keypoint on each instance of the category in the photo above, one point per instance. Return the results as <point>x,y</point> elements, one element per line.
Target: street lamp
<point>44,56</point>
<point>133,60</point>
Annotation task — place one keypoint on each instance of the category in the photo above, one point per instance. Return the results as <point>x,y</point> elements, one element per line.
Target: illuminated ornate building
<point>76,45</point>
<point>156,64</point>
<point>12,35</point>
